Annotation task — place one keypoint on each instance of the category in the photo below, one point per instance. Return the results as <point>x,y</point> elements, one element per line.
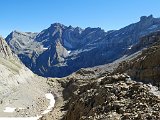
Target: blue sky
<point>36,15</point>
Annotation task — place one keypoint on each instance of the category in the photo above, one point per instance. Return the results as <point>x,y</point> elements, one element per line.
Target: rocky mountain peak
<point>57,25</point>
<point>149,21</point>
<point>16,34</point>
<point>78,29</point>
<point>144,18</point>
<point>54,30</point>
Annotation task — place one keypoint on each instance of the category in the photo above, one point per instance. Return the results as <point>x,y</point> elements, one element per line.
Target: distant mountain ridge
<point>60,50</point>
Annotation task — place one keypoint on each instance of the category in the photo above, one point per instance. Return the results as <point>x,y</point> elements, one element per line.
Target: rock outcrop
<point>5,51</point>
<point>145,67</point>
<point>107,97</point>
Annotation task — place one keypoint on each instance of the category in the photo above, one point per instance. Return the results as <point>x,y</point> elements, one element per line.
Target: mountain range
<point>60,50</point>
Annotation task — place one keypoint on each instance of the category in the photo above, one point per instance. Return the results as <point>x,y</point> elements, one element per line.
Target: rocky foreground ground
<point>105,97</point>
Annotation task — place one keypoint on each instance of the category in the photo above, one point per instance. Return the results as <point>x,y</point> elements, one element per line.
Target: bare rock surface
<point>103,97</point>
<point>146,66</point>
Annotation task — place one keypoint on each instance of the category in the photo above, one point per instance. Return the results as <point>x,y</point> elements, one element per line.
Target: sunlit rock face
<point>22,93</point>
<point>12,71</point>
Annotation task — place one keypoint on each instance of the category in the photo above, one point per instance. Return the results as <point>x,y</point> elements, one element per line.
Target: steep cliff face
<point>146,67</point>
<point>79,46</point>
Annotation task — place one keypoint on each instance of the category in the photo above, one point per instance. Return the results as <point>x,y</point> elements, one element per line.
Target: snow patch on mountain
<point>52,102</point>
<point>45,48</point>
<point>9,109</point>
<point>69,51</point>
